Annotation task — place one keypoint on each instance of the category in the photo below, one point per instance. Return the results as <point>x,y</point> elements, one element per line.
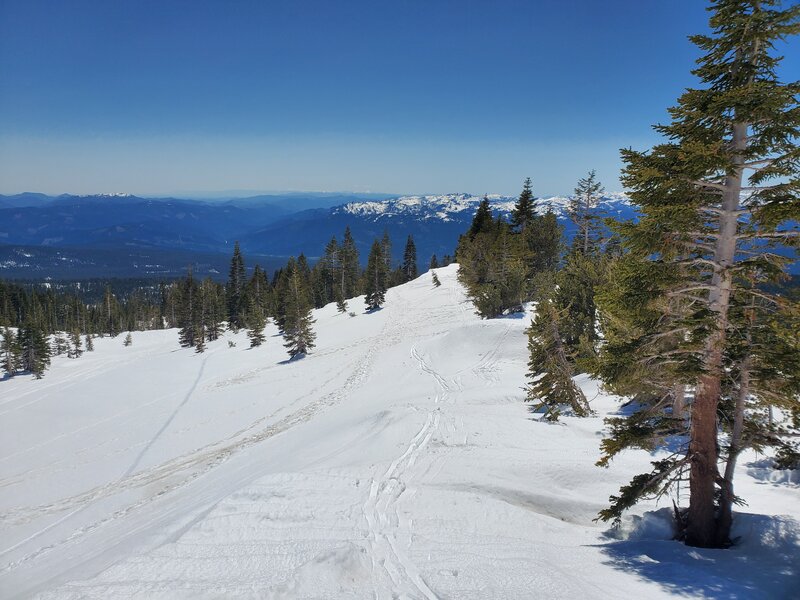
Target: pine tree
<point>715,199</point>
<point>482,221</point>
<point>410,260</point>
<point>386,251</point>
<point>188,311</point>
<point>89,343</point>
<point>493,269</point>
<point>434,264</point>
<point>582,211</point>
<point>375,278</point>
<point>60,345</point>
<point>128,340</point>
<point>552,388</point>
<point>350,267</point>
<point>75,349</point>
<point>435,279</point>
<point>34,351</point>
<point>523,214</point>
<point>542,239</point>
<point>297,328</point>
<point>9,347</point>
<point>256,334</point>
<point>237,279</point>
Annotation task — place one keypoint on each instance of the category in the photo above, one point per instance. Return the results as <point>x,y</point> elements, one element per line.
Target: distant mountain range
<point>119,235</point>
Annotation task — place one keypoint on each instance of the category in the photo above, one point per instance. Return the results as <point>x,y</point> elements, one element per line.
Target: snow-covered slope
<point>396,461</point>
<point>447,207</point>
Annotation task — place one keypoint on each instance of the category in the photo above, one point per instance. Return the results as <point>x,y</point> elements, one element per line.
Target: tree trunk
<point>702,523</point>
<point>726,502</point>
<point>678,400</point>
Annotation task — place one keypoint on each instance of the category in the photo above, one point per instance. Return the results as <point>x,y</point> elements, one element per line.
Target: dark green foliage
<point>523,214</point>
<point>434,264</point>
<point>409,267</point>
<point>551,367</point>
<point>375,278</point>
<point>483,221</point>
<point>694,306</point>
<point>493,269</point>
<point>542,239</point>
<point>189,312</point>
<point>10,352</point>
<point>257,323</point>
<point>646,485</point>
<point>297,321</point>
<point>436,281</point>
<point>576,284</point>
<point>34,350</point>
<point>89,343</point>
<point>75,346</point>
<point>350,267</point>
<point>234,291</point>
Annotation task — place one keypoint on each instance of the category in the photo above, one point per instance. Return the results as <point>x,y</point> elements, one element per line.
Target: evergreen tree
<point>436,282</point>
<point>75,349</point>
<point>386,251</point>
<point>111,307</point>
<point>128,340</point>
<point>237,279</point>
<point>188,311</point>
<point>434,264</point>
<point>551,366</point>
<point>350,267</point>
<point>410,260</point>
<point>582,208</point>
<point>493,269</point>
<point>482,221</point>
<point>542,239</point>
<point>715,200</point>
<point>211,313</point>
<point>89,343</point>
<point>256,333</point>
<point>9,347</point>
<point>297,328</point>
<point>34,350</point>
<point>375,284</point>
<point>523,213</point>
<point>60,345</point>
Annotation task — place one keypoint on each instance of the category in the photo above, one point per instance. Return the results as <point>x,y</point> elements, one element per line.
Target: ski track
<point>380,508</point>
<point>194,464</point>
<point>171,418</point>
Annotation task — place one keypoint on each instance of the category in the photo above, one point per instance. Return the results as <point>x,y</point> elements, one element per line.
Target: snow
<point>443,207</point>
<point>397,460</point>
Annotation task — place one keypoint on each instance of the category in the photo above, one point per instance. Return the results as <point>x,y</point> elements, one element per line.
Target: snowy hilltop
<point>397,460</point>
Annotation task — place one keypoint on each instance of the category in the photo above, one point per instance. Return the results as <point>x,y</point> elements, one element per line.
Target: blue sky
<point>156,97</point>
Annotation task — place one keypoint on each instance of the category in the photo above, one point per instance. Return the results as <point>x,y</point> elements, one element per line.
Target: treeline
<point>203,309</point>
<point>57,319</point>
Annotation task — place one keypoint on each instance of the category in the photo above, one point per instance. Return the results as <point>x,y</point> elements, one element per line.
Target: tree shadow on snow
<point>763,563</point>
<point>293,359</point>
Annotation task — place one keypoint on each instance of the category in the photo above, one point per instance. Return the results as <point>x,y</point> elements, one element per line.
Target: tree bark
<point>725,520</point>
<point>702,527</point>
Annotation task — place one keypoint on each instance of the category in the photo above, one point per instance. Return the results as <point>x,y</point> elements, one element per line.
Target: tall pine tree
<point>715,199</point>
<point>375,278</point>
<point>410,260</point>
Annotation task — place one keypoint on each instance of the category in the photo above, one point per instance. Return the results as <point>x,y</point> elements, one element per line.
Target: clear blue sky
<point>164,96</point>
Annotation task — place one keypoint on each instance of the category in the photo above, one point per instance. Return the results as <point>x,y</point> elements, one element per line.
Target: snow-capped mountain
<point>65,232</point>
<point>448,207</point>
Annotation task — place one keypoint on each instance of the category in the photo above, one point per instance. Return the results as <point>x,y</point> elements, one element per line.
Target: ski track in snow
<point>195,464</point>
